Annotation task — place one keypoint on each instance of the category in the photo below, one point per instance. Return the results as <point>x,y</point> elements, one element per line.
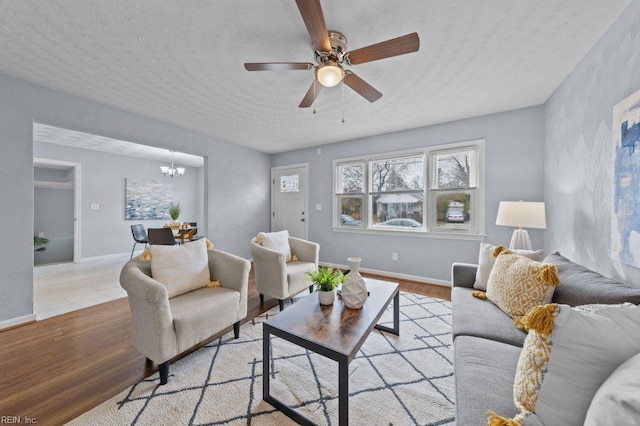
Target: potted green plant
<point>174,211</point>
<point>326,279</point>
<point>39,243</point>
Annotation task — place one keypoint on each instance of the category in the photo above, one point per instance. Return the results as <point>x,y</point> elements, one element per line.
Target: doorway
<point>289,200</point>
<point>102,239</point>
<point>56,194</point>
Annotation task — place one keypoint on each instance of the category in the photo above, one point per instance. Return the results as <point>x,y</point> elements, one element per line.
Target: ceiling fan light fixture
<point>329,73</point>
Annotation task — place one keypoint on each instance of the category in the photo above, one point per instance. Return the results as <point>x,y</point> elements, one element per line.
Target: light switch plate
<point>318,207</point>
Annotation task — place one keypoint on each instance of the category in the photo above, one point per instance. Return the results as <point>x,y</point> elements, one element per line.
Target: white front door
<point>289,200</point>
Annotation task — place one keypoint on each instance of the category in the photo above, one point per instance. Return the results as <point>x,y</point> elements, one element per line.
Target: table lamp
<point>521,214</point>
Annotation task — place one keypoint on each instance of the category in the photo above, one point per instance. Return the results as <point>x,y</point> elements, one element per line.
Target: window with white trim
<point>431,190</point>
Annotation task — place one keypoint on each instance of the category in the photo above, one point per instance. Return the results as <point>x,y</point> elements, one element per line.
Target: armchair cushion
<point>276,241</point>
<point>181,268</point>
<point>297,276</point>
<point>194,319</point>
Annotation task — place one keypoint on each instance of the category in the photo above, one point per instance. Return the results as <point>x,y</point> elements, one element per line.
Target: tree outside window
<point>404,192</point>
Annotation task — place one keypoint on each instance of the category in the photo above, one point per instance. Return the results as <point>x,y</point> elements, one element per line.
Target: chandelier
<point>172,171</point>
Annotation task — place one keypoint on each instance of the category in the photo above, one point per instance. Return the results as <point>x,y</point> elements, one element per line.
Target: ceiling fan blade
<point>386,49</point>
<point>363,88</point>
<point>311,95</point>
<point>313,18</point>
<point>277,66</point>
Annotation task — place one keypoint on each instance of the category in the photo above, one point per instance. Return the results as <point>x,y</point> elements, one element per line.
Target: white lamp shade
<point>329,74</point>
<point>521,214</point>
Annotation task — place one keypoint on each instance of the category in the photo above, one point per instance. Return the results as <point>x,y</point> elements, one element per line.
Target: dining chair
<point>161,236</point>
<point>181,235</point>
<point>189,234</point>
<point>139,237</point>
<point>194,235</point>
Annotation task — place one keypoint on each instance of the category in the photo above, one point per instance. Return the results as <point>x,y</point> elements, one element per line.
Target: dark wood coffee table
<point>333,331</point>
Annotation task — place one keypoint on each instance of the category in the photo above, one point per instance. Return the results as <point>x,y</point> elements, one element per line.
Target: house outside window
<point>397,192</point>
<point>431,191</point>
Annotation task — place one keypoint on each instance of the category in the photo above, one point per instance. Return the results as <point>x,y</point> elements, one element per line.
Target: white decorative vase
<point>326,297</point>
<point>354,289</point>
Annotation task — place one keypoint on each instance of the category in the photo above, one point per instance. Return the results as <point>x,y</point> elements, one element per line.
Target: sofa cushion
<point>484,372</point>
<point>567,356</point>
<point>617,402</point>
<point>181,268</point>
<point>200,314</point>
<point>517,283</point>
<point>486,260</point>
<point>582,286</point>
<point>276,241</point>
<point>481,318</point>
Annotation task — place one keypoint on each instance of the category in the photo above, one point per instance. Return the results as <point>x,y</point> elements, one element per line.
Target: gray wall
<point>237,178</point>
<point>102,181</point>
<point>579,148</point>
<point>514,143</point>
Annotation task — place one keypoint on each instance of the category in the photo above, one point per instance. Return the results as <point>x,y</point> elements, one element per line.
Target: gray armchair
<point>278,279</point>
<point>164,327</point>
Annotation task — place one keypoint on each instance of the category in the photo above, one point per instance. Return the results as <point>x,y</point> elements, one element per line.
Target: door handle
<point>302,220</point>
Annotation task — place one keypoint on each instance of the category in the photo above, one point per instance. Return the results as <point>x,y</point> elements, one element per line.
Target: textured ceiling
<point>182,61</point>
<point>56,135</point>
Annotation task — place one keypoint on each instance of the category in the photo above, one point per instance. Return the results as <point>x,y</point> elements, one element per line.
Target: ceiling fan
<point>331,53</point>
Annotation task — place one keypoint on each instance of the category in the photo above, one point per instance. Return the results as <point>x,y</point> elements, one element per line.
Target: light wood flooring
<point>55,369</point>
<point>65,287</point>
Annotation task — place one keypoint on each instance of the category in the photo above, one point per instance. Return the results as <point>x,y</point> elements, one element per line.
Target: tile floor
<point>65,287</point>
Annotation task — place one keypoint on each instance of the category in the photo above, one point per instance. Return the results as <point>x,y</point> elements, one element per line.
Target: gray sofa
<point>487,344</point>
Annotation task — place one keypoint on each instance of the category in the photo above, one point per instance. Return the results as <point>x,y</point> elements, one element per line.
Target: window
<point>454,188</point>
<point>397,192</point>
<point>290,183</point>
<point>429,191</point>
<point>351,193</point>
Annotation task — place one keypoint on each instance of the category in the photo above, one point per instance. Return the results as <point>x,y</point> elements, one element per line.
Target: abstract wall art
<point>147,199</point>
<point>625,215</point>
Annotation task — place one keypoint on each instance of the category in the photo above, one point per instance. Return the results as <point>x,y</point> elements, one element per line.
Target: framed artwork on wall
<point>147,199</point>
<point>625,214</point>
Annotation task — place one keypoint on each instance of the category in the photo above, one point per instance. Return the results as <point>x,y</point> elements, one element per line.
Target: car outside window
<point>431,190</point>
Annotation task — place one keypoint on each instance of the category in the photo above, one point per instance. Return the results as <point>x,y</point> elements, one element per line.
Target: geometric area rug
<point>394,380</point>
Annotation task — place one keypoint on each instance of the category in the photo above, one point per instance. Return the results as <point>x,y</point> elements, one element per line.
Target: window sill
<point>413,233</point>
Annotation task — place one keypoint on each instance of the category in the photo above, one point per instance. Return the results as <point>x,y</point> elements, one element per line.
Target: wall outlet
<point>394,256</point>
<point>318,207</point>
<point>40,234</point>
<point>95,206</point>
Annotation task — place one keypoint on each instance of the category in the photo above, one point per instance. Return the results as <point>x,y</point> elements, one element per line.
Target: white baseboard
<point>416,278</point>
<point>17,321</point>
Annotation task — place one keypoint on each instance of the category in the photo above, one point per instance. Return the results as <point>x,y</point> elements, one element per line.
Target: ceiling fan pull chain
<point>314,95</point>
<point>342,94</point>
